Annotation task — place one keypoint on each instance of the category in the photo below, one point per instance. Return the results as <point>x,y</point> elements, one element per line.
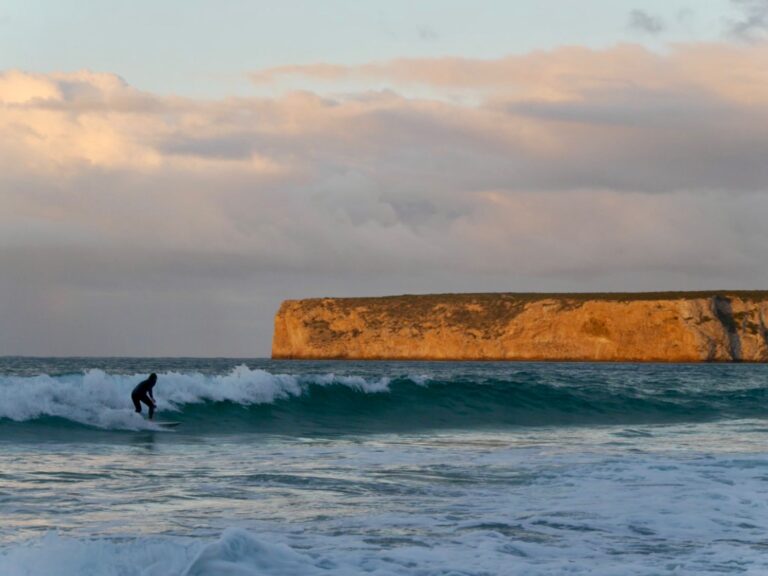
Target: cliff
<point>643,327</point>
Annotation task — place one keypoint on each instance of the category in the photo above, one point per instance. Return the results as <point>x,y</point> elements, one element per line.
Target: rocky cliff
<point>645,327</point>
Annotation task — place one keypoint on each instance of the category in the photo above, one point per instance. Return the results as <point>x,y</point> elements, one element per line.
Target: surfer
<point>143,393</point>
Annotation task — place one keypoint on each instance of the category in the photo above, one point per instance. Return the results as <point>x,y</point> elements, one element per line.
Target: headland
<point>712,326</point>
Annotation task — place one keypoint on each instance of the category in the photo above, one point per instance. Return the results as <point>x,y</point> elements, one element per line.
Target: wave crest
<point>96,398</point>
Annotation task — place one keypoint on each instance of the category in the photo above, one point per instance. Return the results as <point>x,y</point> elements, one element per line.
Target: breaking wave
<point>246,400</point>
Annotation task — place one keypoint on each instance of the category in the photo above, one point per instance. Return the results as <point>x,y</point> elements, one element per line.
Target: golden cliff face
<point>658,327</point>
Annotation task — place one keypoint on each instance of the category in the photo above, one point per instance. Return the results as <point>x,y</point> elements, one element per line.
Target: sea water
<point>304,468</point>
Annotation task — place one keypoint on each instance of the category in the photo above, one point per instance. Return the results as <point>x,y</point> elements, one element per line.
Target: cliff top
<point>428,299</point>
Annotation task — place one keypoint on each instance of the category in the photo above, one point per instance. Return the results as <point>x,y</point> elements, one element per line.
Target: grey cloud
<point>637,141</point>
<point>155,302</point>
<point>629,108</point>
<point>428,33</point>
<point>752,23</point>
<point>231,146</point>
<point>642,21</point>
<point>161,302</point>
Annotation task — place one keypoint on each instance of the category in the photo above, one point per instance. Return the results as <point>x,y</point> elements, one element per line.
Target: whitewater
<point>382,468</point>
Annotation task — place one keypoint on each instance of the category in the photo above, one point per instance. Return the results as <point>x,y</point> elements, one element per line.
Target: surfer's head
<point>152,378</point>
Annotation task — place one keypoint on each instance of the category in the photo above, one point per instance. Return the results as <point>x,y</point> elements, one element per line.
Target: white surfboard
<point>168,424</point>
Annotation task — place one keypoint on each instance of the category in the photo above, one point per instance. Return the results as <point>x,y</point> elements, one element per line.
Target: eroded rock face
<point>645,327</point>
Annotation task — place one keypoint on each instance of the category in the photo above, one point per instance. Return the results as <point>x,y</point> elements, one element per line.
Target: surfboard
<point>168,424</point>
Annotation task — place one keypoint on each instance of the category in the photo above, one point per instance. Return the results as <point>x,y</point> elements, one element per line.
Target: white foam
<point>536,511</point>
<point>240,553</point>
<point>236,553</point>
<point>99,399</point>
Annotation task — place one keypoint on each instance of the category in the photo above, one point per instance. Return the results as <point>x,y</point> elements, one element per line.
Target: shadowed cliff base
<point>710,326</point>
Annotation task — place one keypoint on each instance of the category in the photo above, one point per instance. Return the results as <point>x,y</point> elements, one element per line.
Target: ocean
<point>382,468</point>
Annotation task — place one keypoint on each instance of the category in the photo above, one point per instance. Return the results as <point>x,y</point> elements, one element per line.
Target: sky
<point>171,171</point>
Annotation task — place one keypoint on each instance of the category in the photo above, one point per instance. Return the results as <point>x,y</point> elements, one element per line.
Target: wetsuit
<point>143,393</point>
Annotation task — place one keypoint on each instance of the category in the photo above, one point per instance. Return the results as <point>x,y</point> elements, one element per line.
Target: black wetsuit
<point>143,393</point>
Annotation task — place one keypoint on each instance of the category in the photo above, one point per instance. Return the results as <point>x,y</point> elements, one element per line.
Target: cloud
<point>136,223</point>
<point>726,71</point>
<point>642,21</point>
<point>752,24</point>
<point>427,33</point>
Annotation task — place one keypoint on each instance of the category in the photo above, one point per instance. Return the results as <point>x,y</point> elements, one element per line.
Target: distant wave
<point>245,399</point>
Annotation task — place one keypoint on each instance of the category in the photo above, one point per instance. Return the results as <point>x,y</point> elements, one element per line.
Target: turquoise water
<point>383,468</point>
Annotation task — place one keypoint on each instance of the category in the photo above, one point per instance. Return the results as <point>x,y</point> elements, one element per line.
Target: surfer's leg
<point>136,403</point>
<point>150,405</point>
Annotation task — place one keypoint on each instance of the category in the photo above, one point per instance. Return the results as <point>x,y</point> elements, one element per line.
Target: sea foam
<point>236,553</point>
